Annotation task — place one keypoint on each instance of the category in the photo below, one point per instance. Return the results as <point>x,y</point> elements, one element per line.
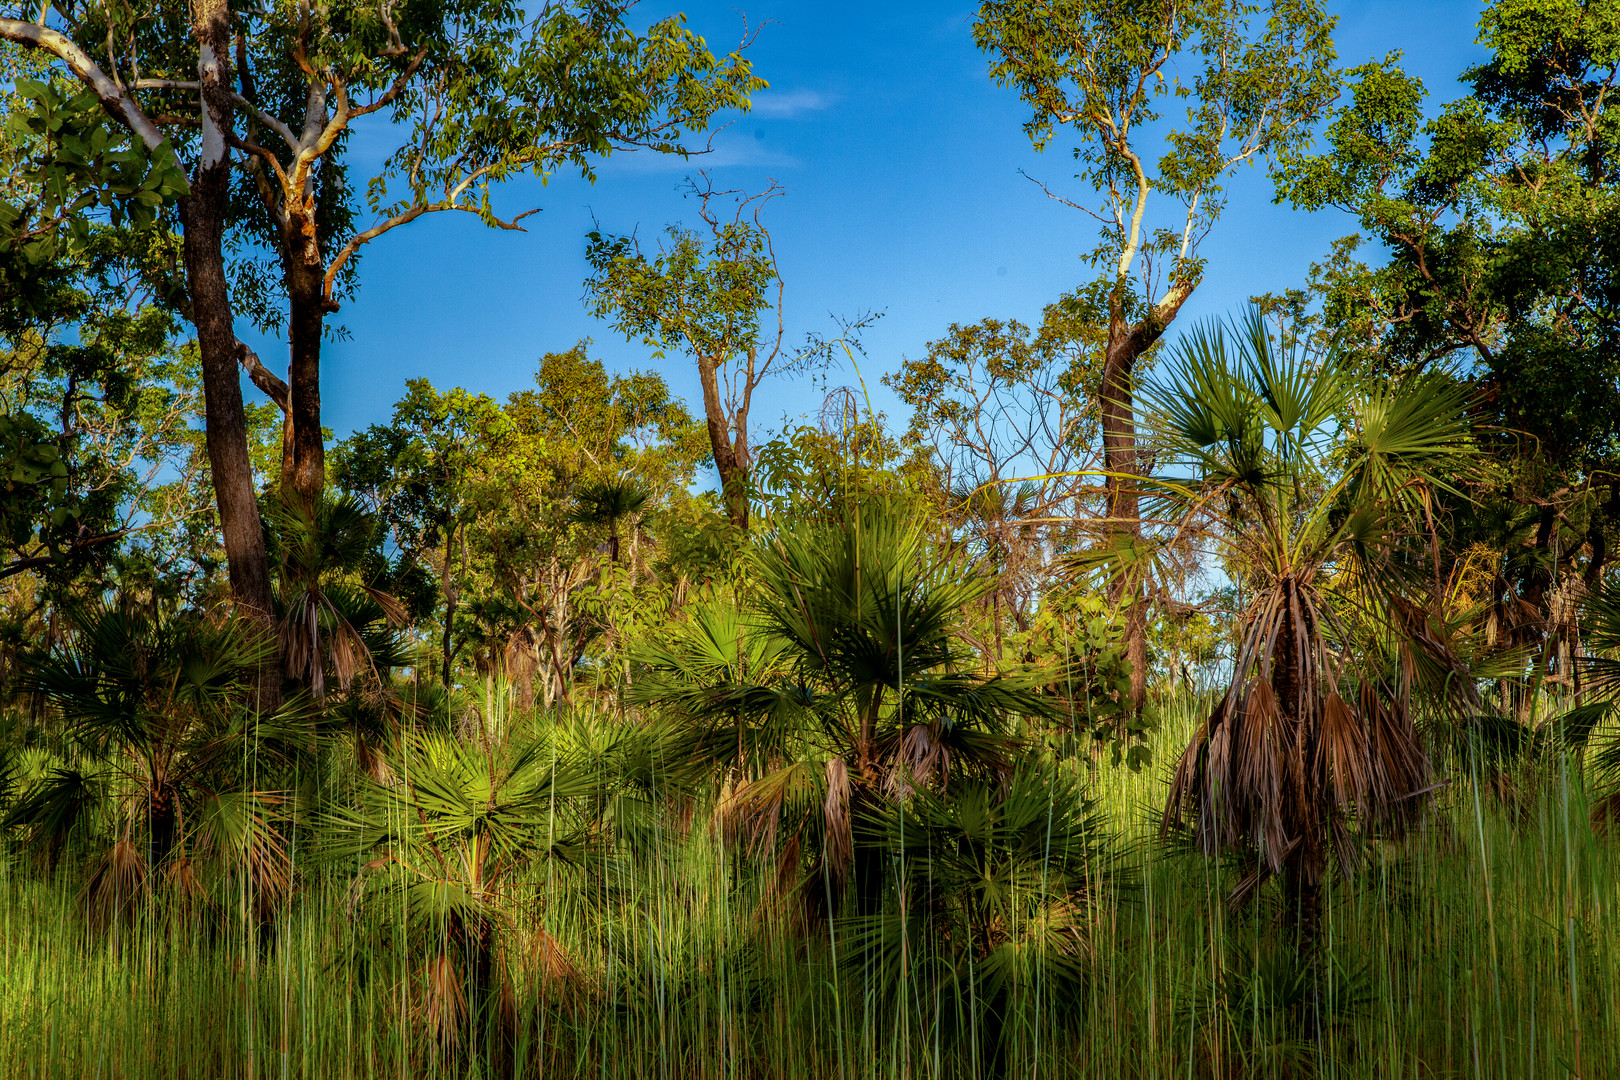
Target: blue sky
<point>901,161</point>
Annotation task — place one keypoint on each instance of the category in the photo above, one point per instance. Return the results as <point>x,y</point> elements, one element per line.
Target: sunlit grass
<point>1477,948</point>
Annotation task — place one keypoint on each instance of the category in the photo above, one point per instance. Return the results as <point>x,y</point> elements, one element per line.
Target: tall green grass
<point>1480,947</point>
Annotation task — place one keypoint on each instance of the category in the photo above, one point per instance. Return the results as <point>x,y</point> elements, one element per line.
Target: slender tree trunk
<point>1124,514</point>
<point>304,453</point>
<point>449,603</point>
<point>1303,872</point>
<point>203,213</point>
<point>730,455</point>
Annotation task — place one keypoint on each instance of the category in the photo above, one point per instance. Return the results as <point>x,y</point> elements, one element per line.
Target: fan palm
<point>607,504</point>
<point>332,617</point>
<point>1592,720</point>
<point>448,838</point>
<point>1000,888</point>
<point>1314,482</point>
<point>158,730</point>
<point>842,685</point>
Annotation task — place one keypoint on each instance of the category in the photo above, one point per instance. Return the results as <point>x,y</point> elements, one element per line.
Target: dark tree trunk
<point>1303,872</point>
<point>304,451</point>
<point>1126,344</point>
<point>490,1001</point>
<point>203,213</point>
<point>162,822</point>
<point>993,1043</point>
<point>1304,796</point>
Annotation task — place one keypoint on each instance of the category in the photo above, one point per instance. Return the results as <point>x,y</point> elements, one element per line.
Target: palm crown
<point>1317,482</point>
<point>842,686</point>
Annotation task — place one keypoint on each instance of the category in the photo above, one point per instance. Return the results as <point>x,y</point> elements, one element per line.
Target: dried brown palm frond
<point>316,632</point>
<point>839,846</point>
<point>1322,481</point>
<point>1285,762</point>
<point>923,757</point>
<point>117,882</point>
<point>556,968</point>
<point>444,1005</point>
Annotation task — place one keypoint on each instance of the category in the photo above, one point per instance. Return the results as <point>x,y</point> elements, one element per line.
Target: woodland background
<point>1145,696</point>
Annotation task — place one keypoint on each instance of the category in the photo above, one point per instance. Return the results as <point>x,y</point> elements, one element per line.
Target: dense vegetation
<point>1224,700</point>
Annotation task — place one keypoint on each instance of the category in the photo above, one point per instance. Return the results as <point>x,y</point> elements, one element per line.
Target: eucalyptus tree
<point>709,297</point>
<point>1254,78</point>
<point>478,92</point>
<point>1318,484</point>
<point>714,294</point>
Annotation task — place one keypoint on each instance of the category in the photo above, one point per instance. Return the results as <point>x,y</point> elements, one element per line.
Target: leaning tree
<point>1254,77</point>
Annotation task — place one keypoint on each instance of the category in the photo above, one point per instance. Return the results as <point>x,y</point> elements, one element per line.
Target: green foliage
<point>1091,687</point>
<point>1485,251</point>
<point>71,167</point>
<point>812,474</point>
<point>37,483</point>
<point>995,901</point>
<point>99,399</point>
<point>1253,78</point>
<point>472,94</point>
<point>694,296</point>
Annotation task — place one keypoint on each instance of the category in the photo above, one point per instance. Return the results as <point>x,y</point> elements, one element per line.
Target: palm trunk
<point>162,822</point>
<point>1305,867</point>
<point>1303,873</point>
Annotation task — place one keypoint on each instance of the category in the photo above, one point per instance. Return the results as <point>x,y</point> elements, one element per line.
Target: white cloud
<point>727,149</point>
<point>780,104</point>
